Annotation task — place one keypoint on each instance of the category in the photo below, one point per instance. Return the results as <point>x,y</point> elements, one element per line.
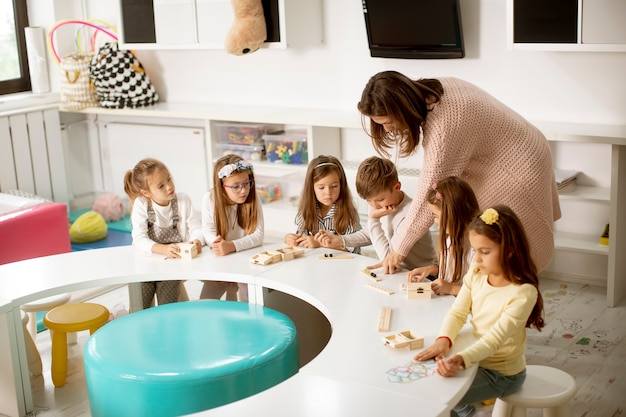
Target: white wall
<point>556,86</point>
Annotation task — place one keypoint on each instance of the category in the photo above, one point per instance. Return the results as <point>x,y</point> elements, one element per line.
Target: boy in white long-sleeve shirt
<point>377,182</point>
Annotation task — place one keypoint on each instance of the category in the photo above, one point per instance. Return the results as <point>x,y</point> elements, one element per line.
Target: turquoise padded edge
<point>40,326</point>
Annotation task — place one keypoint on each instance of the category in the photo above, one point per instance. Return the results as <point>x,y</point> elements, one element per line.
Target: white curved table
<point>347,378</point>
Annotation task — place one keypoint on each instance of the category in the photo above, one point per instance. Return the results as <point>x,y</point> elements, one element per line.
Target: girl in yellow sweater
<point>500,292</point>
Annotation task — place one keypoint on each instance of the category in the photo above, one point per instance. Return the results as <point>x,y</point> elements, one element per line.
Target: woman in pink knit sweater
<point>465,132</point>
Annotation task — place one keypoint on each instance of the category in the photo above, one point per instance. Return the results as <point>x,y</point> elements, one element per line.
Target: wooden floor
<point>583,337</point>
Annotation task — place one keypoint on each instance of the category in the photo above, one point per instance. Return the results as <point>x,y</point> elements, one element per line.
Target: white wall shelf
<point>585,192</point>
<point>576,242</point>
<point>599,27</point>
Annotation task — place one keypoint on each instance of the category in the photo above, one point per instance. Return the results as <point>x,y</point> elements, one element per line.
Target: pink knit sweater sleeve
<point>442,158</point>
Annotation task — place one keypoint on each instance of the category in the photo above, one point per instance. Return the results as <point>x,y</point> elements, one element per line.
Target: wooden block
<point>290,253</point>
<point>379,288</point>
<point>371,275</point>
<point>405,339</point>
<point>385,319</point>
<point>188,250</point>
<point>266,257</point>
<point>419,290</point>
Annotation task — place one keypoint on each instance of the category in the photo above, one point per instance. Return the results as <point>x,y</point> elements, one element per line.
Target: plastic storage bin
<point>247,152</point>
<point>287,148</point>
<point>269,192</point>
<point>241,133</point>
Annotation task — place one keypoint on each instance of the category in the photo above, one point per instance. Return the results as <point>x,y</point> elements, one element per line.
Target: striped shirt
<point>354,237</point>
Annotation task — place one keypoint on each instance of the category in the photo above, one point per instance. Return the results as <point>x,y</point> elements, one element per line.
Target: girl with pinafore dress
<point>161,218</point>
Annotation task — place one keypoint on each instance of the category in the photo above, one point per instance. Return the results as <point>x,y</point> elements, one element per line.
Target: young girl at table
<point>501,294</point>
<point>161,218</point>
<point>454,206</point>
<point>232,219</point>
<point>327,216</point>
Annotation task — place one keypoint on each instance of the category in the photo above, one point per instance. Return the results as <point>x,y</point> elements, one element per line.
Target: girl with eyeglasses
<point>161,218</point>
<point>232,219</point>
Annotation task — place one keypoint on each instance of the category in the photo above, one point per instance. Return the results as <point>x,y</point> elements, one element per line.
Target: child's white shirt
<point>235,234</point>
<point>189,225</point>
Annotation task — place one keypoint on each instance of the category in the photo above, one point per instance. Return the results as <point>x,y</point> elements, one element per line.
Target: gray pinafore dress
<point>166,291</point>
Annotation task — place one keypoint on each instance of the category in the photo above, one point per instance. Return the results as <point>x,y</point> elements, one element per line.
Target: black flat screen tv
<point>414,28</point>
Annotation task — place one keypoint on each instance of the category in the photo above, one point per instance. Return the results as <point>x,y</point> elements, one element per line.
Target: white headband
<point>228,170</point>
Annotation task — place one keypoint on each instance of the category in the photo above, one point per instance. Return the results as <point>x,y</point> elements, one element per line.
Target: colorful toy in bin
<point>279,148</point>
<point>268,192</point>
<point>244,136</point>
<point>241,133</point>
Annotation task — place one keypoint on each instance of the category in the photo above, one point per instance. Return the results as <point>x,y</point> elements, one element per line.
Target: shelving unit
<point>584,246</point>
<point>568,25</point>
<point>203,24</point>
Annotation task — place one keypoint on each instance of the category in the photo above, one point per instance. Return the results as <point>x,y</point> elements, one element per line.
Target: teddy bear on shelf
<point>248,31</point>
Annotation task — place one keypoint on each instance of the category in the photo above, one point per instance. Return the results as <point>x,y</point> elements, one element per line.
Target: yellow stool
<point>70,318</point>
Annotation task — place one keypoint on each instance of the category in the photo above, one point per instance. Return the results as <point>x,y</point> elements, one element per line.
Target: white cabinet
<point>102,147</point>
<point>567,25</point>
<point>181,149</point>
<point>203,24</point>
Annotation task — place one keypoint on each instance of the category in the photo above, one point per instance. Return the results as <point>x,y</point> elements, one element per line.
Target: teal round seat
<point>186,357</point>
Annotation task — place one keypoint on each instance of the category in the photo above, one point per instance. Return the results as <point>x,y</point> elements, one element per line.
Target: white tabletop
<point>315,396</point>
<point>356,353</point>
<point>351,372</point>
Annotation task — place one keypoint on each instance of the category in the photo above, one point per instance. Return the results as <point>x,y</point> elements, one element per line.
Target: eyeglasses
<point>239,187</point>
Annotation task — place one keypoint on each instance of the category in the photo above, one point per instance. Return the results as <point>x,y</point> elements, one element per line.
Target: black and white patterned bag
<point>120,79</point>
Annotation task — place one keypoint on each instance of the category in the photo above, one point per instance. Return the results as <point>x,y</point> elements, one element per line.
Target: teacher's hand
<point>391,263</point>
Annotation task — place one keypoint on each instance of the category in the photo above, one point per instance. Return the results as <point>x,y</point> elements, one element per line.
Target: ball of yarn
<point>88,227</point>
<point>110,206</point>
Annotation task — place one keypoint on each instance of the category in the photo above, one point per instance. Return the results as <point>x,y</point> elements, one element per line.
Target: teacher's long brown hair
<point>406,102</point>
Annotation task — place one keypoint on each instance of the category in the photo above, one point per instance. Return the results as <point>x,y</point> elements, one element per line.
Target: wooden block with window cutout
<point>419,290</point>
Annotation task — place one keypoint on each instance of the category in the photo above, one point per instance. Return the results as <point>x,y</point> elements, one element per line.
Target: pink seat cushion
<point>34,231</point>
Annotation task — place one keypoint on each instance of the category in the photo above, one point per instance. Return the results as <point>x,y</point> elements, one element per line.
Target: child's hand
<point>440,286</point>
<point>198,245</point>
<point>381,212</point>
<point>420,274</point>
<point>329,240</point>
<point>291,239</point>
<point>222,247</point>
<point>307,241</point>
<point>437,350</point>
<point>450,366</point>
<point>170,251</point>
